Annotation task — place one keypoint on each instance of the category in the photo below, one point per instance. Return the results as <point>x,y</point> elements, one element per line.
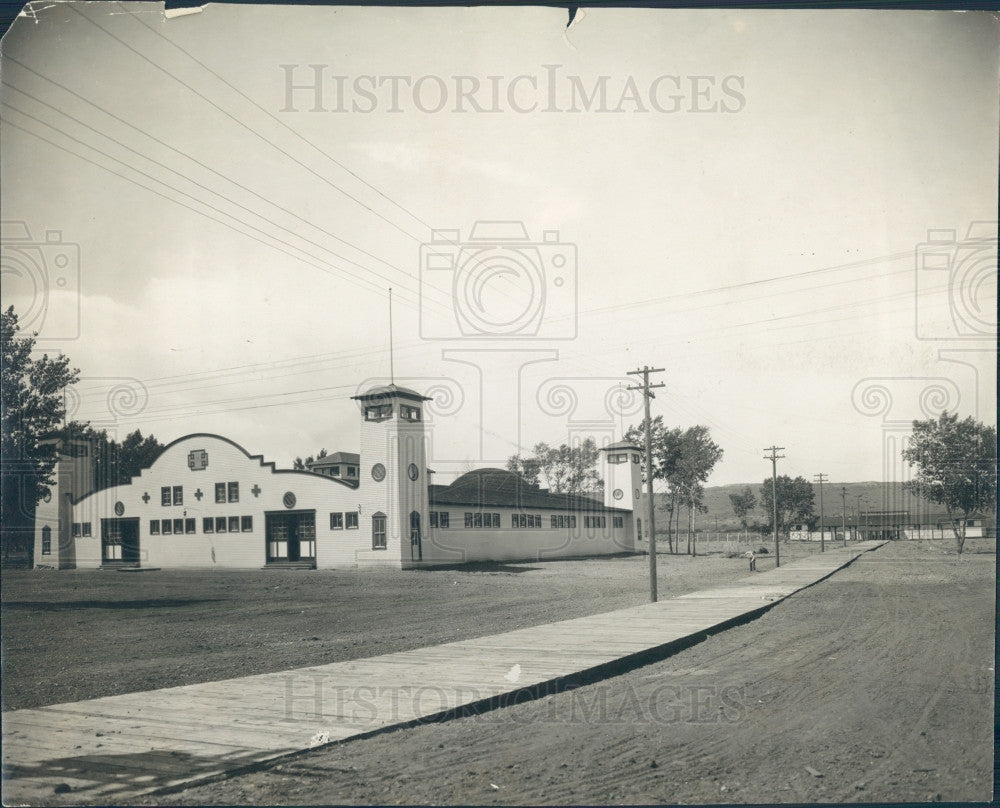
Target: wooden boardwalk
<point>120,746</point>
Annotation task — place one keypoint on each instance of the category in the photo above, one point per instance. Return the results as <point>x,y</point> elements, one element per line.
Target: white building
<point>208,502</point>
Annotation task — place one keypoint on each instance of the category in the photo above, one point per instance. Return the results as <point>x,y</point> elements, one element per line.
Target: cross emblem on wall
<point>255,490</point>
<point>198,495</point>
<point>145,497</point>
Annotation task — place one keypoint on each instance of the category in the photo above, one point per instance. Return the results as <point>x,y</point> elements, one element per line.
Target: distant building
<point>208,502</point>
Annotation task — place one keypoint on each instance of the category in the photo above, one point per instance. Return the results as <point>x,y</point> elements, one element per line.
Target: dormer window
<point>378,412</point>
<point>408,413</point>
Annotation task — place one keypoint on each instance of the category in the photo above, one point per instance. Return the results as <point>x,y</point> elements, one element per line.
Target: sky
<point>791,213</point>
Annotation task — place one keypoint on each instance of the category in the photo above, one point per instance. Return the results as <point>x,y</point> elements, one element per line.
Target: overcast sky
<point>737,197</point>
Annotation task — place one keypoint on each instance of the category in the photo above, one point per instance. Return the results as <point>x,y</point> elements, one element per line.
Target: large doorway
<point>290,537</point>
<point>120,541</point>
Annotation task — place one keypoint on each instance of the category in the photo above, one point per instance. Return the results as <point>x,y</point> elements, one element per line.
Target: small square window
<point>234,492</point>
<point>234,524</point>
<point>178,495</point>
<point>165,498</point>
<point>572,522</point>
<point>468,519</point>
<point>178,526</point>
<point>246,524</point>
<point>154,527</point>
<point>443,517</point>
<point>352,471</point>
<point>434,518</point>
<point>167,527</point>
<point>208,525</point>
<point>477,520</point>
<point>86,528</point>
<point>554,521</point>
<point>190,526</point>
<point>77,528</point>
<point>220,524</point>
<point>336,521</point>
<point>220,492</point>
<point>351,520</point>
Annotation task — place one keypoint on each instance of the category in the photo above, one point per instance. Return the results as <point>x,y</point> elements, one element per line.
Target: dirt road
<point>873,686</point>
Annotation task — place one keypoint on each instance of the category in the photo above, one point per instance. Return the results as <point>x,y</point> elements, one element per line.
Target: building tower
<point>393,487</point>
<point>55,536</point>
<point>623,482</point>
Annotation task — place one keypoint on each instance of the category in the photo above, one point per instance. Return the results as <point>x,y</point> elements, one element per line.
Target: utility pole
<point>822,530</point>
<point>860,497</point>
<point>647,394</point>
<point>843,512</point>
<point>774,458</point>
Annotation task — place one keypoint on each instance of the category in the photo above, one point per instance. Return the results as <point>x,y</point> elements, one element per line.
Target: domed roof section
<point>494,479</point>
<point>385,391</point>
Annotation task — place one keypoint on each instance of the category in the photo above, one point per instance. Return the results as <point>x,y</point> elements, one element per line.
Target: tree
<point>31,408</point>
<point>527,467</point>
<point>303,465</point>
<point>665,445</point>
<point>699,454</point>
<point>796,502</point>
<point>956,466</point>
<point>565,469</point>
<point>743,505</point>
<point>115,463</point>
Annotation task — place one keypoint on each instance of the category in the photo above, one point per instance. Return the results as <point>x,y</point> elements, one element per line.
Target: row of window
<point>442,519</point>
<point>81,529</point>
<point>383,412</point>
<point>209,524</point>
<point>172,495</point>
<point>334,471</point>
<point>227,492</point>
<point>338,521</point>
<point>525,520</point>
<point>595,521</point>
<point>482,519</point>
<point>622,458</point>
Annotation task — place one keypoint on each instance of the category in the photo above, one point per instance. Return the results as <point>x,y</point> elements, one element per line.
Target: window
<point>178,495</point>
<point>234,524</point>
<point>619,521</point>
<point>189,526</point>
<point>46,540</point>
<point>246,524</point>
<point>86,528</point>
<point>234,492</point>
<point>166,524</point>
<point>554,521</point>
<point>513,520</point>
<point>477,519</point>
<point>334,471</point>
<point>440,519</point>
<point>208,525</point>
<point>352,471</point>
<point>617,458</point>
<point>178,526</point>
<point>408,413</point>
<point>165,495</point>
<point>572,521</point>
<point>336,521</point>
<point>220,524</point>
<point>77,529</point>
<point>351,518</point>
<point>378,531</point>
<point>635,458</point>
<point>468,518</point>
<point>434,518</point>
<point>154,527</point>
<point>220,492</point>
<point>379,412</point>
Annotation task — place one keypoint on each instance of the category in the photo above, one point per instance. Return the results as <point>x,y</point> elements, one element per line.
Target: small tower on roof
<point>622,478</point>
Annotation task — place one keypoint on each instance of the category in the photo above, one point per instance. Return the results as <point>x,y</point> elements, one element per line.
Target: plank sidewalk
<point>122,746</point>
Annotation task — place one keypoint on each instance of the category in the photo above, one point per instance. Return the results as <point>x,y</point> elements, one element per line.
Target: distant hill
<point>876,497</point>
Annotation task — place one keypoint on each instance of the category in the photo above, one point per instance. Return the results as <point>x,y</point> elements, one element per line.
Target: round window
<point>617,493</point>
<point>378,472</point>
<point>636,493</point>
<point>119,509</point>
<point>288,499</point>
<point>412,471</point>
